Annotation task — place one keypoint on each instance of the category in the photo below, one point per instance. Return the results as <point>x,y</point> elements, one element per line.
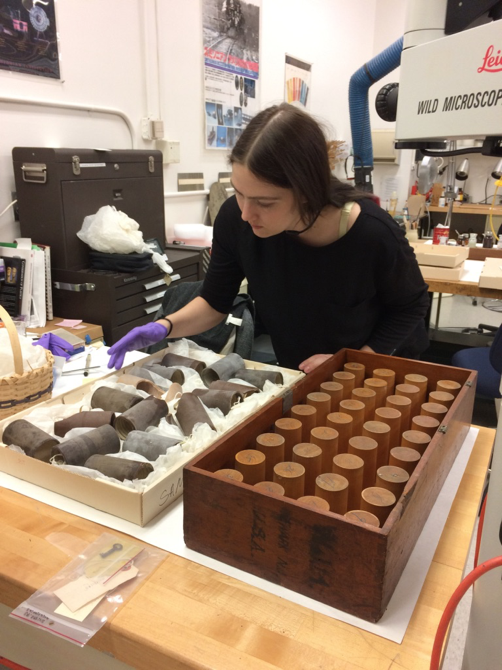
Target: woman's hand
<point>313,362</point>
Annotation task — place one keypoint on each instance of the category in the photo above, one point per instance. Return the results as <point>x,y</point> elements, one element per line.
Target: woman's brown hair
<point>286,147</point>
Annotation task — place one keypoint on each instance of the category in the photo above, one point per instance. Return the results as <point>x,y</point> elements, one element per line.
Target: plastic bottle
<point>393,204</point>
<point>472,240</point>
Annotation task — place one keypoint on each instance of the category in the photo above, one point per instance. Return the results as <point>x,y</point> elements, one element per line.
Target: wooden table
<point>188,616</point>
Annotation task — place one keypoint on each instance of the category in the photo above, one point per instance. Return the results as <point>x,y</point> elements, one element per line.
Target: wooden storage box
<point>348,565</point>
<point>137,506</point>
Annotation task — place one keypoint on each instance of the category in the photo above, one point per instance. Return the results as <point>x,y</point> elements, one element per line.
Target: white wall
<point>109,59</point>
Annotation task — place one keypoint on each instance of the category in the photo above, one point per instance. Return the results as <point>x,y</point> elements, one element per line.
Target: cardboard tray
<point>448,274</point>
<point>440,255</point>
<point>135,506</point>
<point>347,565</point>
<point>491,274</point>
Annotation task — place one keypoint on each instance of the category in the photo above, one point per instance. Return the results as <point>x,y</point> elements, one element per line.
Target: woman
<point>326,266</point>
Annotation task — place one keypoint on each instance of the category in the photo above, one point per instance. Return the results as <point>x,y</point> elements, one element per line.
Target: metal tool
<point>116,547</point>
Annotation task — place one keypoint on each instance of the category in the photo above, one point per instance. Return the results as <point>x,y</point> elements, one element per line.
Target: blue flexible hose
<point>359,84</point>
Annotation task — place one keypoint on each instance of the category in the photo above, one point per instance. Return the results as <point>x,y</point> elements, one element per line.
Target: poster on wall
<point>231,34</point>
<point>28,37</point>
<point>297,77</point>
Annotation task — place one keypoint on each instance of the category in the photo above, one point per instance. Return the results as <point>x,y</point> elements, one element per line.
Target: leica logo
<point>491,63</point>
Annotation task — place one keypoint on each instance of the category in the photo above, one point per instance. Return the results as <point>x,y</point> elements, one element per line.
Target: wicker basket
<point>21,390</point>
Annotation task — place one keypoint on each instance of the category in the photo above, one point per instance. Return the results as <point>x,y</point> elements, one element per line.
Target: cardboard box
<point>345,564</point>
<point>132,505</point>
<point>440,255</point>
<point>448,274</point>
<point>491,274</point>
<point>94,331</point>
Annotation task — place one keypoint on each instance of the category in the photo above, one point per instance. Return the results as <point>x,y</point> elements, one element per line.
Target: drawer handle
<point>155,296</point>
<point>175,277</point>
<point>153,284</point>
<point>65,286</point>
<point>152,308</point>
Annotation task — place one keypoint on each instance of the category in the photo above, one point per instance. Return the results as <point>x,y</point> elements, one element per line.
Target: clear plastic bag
<point>81,598</point>
<point>113,232</point>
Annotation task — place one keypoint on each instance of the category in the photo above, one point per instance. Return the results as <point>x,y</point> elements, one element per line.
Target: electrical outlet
<point>15,208</point>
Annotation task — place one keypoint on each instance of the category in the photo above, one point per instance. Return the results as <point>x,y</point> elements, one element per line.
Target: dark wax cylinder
<point>83,420</point>
<point>259,377</point>
<point>191,411</point>
<point>149,445</point>
<point>172,374</point>
<point>102,440</point>
<point>146,413</point>
<point>222,369</point>
<point>113,400</point>
<point>174,360</point>
<point>142,385</point>
<point>223,400</point>
<point>143,373</point>
<point>119,468</point>
<point>35,442</point>
<point>243,389</point>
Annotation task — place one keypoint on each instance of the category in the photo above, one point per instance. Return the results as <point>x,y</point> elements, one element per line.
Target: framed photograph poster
<point>231,34</point>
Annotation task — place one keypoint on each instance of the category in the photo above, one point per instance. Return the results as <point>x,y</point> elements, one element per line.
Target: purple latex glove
<point>56,345</point>
<point>137,338</point>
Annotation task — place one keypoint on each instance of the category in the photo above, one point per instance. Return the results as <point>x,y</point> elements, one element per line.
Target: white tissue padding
<point>33,356</point>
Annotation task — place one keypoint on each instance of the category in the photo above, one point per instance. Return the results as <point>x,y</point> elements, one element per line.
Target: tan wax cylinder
<point>307,415</point>
<point>389,376</point>
<point>392,417</point>
<point>404,457</point>
<point>418,380</point>
<point>434,409</point>
<point>413,393</point>
<point>291,476</point>
<point>378,501</point>
<point>363,517</point>
<point>415,439</point>
<point>272,445</point>
<point>335,391</point>
<point>425,424</point>
<point>380,432</point>
<point>352,468</point>
<point>449,386</point>
<point>229,473</point>
<point>392,478</point>
<point>343,423</point>
<point>251,464</point>
<point>315,502</point>
<point>442,398</point>
<point>380,388</point>
<point>367,449</point>
<point>322,403</point>
<point>368,397</point>
<point>310,456</point>
<point>403,405</point>
<point>334,489</point>
<point>291,430</point>
<point>270,487</point>
<point>358,370</point>
<point>356,410</point>
<point>327,439</point>
<point>347,380</point>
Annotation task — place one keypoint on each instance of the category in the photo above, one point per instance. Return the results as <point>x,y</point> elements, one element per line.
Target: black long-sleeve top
<point>365,288</point>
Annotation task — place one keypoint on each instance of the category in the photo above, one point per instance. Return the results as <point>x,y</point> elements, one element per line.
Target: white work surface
<point>166,532</point>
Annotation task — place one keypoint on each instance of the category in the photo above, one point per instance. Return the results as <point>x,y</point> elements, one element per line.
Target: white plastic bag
<point>112,232</point>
